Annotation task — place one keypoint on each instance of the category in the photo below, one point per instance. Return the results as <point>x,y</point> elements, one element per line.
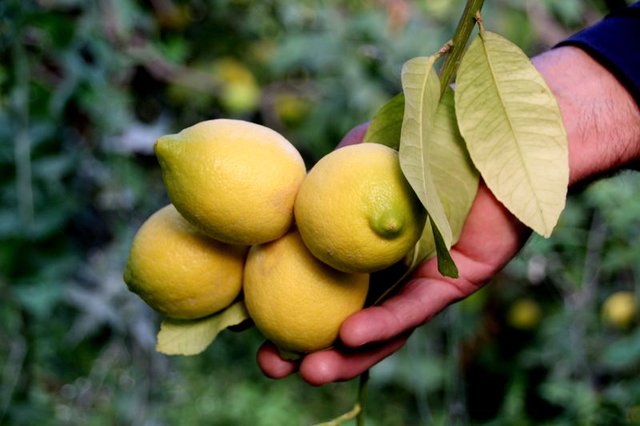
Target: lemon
<point>356,211</point>
<point>295,300</point>
<point>179,272</point>
<point>619,309</point>
<point>239,90</point>
<point>235,180</point>
<point>524,314</point>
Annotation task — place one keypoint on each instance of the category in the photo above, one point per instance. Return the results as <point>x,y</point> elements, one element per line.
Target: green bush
<point>87,86</point>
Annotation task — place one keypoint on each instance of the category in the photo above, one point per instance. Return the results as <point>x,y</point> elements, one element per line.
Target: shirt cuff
<point>615,43</point>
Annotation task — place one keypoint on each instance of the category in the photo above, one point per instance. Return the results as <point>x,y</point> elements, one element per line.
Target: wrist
<point>601,118</point>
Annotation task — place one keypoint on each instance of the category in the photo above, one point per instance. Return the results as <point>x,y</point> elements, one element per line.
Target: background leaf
<point>421,89</point>
<point>178,337</point>
<point>513,129</point>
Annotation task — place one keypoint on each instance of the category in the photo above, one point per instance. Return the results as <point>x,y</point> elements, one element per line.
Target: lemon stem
<point>362,397</point>
<point>357,411</point>
<point>459,41</point>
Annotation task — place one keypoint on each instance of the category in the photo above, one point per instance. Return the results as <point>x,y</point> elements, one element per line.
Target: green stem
<point>362,396</point>
<point>459,42</point>
<point>22,147</point>
<point>357,411</point>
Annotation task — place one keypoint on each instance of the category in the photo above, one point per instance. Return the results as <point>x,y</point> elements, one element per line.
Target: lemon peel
<point>295,300</point>
<point>236,181</point>
<point>356,211</point>
<point>180,272</point>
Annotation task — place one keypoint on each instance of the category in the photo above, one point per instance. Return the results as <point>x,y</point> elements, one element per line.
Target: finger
<point>355,135</point>
<point>333,365</point>
<point>416,302</point>
<point>490,238</point>
<point>491,234</point>
<point>272,365</point>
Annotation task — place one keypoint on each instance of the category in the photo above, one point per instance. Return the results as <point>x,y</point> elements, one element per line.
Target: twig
<point>459,42</point>
<point>357,411</point>
<point>11,373</point>
<point>22,147</point>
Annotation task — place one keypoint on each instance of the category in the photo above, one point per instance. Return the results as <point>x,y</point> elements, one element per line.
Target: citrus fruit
<point>295,300</point>
<point>178,271</point>
<point>619,309</point>
<point>234,180</point>
<point>524,314</point>
<point>356,211</point>
<point>239,90</point>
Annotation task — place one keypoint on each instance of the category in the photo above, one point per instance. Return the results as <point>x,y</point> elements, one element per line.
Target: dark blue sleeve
<point>615,43</point>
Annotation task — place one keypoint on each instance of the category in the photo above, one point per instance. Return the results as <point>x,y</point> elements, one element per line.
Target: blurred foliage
<point>87,86</point>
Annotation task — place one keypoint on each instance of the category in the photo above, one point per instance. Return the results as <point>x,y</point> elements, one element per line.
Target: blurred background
<point>86,86</point>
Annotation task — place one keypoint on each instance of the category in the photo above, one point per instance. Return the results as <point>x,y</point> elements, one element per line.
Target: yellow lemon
<point>356,211</point>
<point>235,180</point>
<point>524,314</point>
<point>179,272</point>
<point>619,309</point>
<point>239,90</point>
<point>295,300</point>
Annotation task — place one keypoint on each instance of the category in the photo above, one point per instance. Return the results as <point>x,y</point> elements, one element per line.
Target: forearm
<point>601,117</point>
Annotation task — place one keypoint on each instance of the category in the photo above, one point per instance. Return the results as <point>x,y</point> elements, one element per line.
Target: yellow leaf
<point>513,129</point>
<point>191,337</point>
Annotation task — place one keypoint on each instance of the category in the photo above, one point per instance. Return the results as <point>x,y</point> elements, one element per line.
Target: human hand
<point>490,238</point>
<point>603,127</point>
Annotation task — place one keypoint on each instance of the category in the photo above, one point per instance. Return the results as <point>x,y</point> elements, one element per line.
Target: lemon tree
<point>180,272</point>
<point>234,180</point>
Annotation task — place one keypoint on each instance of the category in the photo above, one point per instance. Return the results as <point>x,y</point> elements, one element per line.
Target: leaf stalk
<point>459,41</point>
<point>362,397</point>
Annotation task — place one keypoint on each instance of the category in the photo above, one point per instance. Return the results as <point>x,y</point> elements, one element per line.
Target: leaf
<point>513,129</point>
<point>190,337</point>
<point>421,89</point>
<point>386,125</point>
<point>623,353</point>
<point>446,265</point>
<point>425,248</point>
<point>454,175</point>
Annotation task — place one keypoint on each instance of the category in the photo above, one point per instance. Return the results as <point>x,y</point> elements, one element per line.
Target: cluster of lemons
<point>246,221</point>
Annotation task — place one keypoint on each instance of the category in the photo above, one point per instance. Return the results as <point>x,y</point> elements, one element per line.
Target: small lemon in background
<point>291,108</point>
<point>296,301</point>
<point>234,180</point>
<point>619,309</point>
<point>239,91</point>
<point>524,314</point>
<point>356,211</point>
<point>178,271</point>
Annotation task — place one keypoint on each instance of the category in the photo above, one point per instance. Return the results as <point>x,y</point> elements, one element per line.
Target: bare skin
<point>603,126</point>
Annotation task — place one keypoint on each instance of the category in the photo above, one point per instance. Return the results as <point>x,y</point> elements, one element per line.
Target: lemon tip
<point>387,225</point>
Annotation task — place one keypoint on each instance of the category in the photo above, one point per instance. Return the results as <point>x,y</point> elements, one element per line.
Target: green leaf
<point>421,89</point>
<point>623,353</point>
<point>385,127</point>
<point>191,337</point>
<point>454,175</point>
<point>513,129</point>
<point>446,265</point>
<point>424,249</point>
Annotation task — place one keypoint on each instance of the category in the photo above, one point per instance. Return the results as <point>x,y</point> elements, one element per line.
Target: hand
<point>603,127</point>
<point>490,238</point>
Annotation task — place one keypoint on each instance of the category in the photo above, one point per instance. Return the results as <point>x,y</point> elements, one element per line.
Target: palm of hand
<point>491,237</point>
